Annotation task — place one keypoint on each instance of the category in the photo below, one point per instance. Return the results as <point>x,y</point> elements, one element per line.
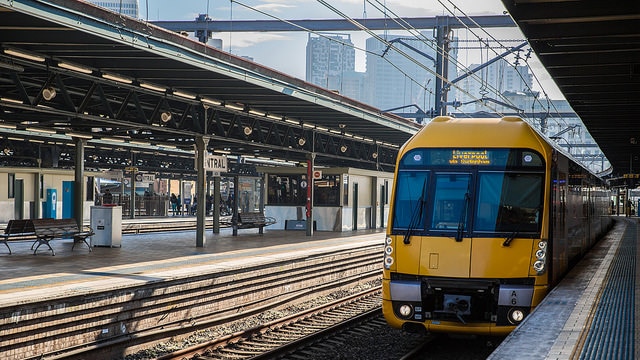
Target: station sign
<point>215,163</point>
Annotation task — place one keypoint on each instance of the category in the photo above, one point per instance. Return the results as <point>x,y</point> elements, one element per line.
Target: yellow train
<point>486,216</point>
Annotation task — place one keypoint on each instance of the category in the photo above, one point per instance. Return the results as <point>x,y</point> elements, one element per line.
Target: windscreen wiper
<point>463,217</point>
<point>509,239</point>
<point>416,214</point>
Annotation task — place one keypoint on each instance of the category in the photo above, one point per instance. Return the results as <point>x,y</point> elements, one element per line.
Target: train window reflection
<point>508,202</point>
<point>410,199</point>
<point>451,201</point>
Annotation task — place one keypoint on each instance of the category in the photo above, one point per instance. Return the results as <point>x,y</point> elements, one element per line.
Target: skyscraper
<point>125,7</point>
<point>395,80</point>
<point>329,58</point>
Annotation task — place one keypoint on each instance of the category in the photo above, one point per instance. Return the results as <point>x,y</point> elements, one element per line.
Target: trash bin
<point>106,222</point>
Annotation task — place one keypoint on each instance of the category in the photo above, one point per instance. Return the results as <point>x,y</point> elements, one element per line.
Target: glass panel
<point>509,202</point>
<point>451,201</point>
<point>409,199</point>
<point>249,194</point>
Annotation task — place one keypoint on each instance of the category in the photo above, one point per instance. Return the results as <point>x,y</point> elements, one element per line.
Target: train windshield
<point>471,192</point>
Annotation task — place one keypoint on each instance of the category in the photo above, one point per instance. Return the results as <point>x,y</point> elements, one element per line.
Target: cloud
<point>244,40</point>
<point>274,7</point>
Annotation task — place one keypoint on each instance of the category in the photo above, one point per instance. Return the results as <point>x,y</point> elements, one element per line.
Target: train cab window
<point>451,201</point>
<point>410,199</point>
<point>508,202</point>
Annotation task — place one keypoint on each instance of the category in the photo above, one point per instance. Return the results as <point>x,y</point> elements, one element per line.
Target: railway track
<point>115,323</point>
<point>293,333</point>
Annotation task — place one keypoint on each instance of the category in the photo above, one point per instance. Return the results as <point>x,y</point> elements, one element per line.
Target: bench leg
<point>45,242</point>
<point>78,239</point>
<point>261,230</point>
<point>7,245</point>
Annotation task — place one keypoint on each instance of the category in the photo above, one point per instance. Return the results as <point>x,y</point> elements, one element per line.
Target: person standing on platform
<point>174,203</point>
<point>107,198</point>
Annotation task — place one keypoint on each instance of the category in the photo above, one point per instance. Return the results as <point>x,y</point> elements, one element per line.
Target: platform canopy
<point>71,69</point>
<point>590,48</point>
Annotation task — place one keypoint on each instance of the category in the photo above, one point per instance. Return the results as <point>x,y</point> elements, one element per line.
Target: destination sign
<point>469,157</point>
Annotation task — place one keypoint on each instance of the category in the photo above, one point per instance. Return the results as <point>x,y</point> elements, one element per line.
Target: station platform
<point>592,314</point>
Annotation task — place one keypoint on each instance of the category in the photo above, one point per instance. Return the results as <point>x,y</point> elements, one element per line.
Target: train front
<point>465,249</point>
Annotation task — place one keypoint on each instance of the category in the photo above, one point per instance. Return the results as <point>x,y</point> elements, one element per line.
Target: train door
<point>18,188</point>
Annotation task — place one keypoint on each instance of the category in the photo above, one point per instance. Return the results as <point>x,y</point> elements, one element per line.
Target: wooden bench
<point>17,230</point>
<point>249,220</point>
<point>49,229</point>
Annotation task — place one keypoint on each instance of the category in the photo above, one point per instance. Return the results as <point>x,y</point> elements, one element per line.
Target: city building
<point>126,7</point>
<point>329,58</point>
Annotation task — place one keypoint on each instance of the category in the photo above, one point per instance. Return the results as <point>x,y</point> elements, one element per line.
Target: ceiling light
<point>78,68</point>
<point>153,87</point>
<point>290,121</point>
<point>274,116</point>
<point>11,100</point>
<point>220,151</point>
<point>46,131</point>
<point>117,78</point>
<point>234,106</point>
<point>7,126</point>
<point>211,101</point>
<point>48,93</point>
<point>24,55</point>
<point>247,130</point>
<point>165,116</point>
<point>374,155</point>
<point>302,141</point>
<point>78,135</point>
<point>257,112</point>
<point>343,148</point>
<point>184,94</point>
<point>113,139</point>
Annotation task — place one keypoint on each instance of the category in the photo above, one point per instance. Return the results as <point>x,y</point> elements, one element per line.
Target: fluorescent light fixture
<point>211,101</point>
<point>308,125</point>
<point>335,131</point>
<point>153,87</point>
<point>220,151</point>
<point>36,141</point>
<point>257,112</point>
<point>138,143</point>
<point>184,94</point>
<point>7,126</point>
<point>24,55</point>
<point>321,128</point>
<point>113,139</point>
<point>290,121</point>
<point>234,106</point>
<point>274,116</point>
<point>46,131</point>
<point>78,68</point>
<point>11,100</point>
<point>14,139</point>
<point>117,78</point>
<point>78,135</point>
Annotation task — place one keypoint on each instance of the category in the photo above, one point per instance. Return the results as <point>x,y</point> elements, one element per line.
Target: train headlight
<point>388,250</point>
<point>541,257</point>
<point>516,316</point>
<point>539,266</point>
<point>405,311</point>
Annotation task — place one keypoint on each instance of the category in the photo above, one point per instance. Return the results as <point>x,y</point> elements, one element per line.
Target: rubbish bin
<point>106,222</point>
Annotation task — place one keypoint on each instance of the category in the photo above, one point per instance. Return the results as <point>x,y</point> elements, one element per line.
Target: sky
<point>285,51</point>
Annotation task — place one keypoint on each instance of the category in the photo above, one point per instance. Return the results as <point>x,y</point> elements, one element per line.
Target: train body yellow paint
<point>486,216</point>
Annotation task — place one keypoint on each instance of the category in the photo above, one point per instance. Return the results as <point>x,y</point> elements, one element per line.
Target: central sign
<point>215,163</point>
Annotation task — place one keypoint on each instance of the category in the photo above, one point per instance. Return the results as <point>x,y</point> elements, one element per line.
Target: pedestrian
<point>174,203</point>
<point>107,198</point>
